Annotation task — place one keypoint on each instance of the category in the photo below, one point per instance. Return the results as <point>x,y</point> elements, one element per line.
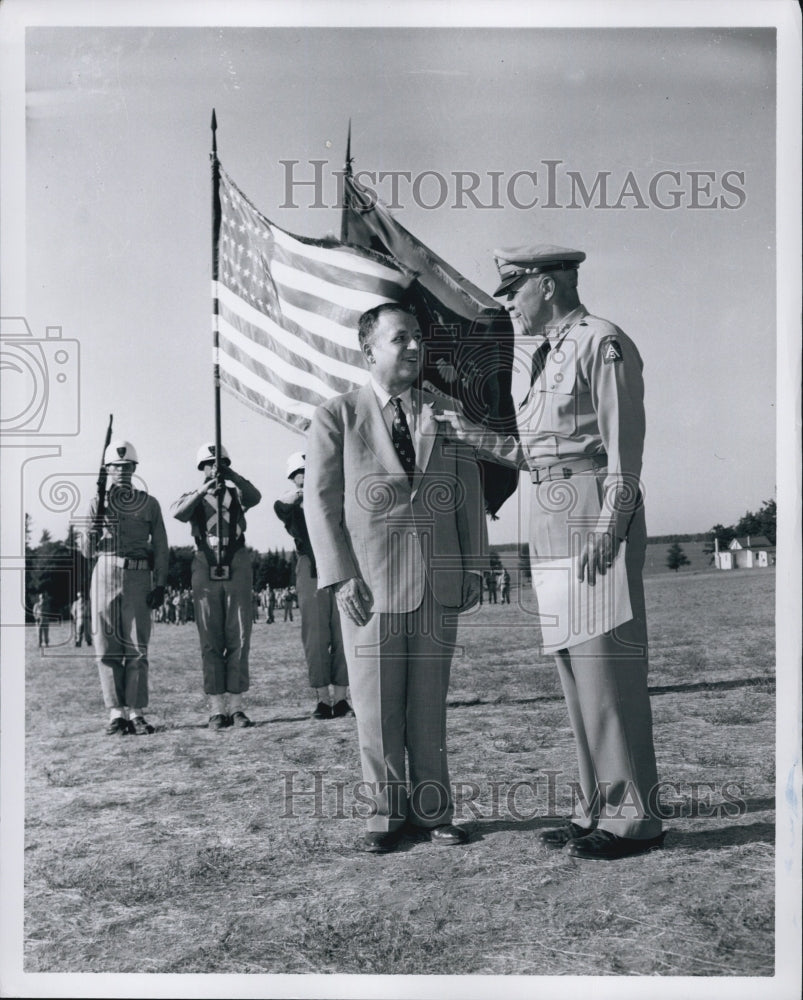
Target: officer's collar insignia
<point>121,452</point>
<point>611,351</point>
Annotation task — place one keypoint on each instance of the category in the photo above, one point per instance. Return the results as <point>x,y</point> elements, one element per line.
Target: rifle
<point>100,513</point>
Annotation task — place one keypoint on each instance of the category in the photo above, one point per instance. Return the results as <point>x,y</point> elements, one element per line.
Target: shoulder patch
<point>611,351</point>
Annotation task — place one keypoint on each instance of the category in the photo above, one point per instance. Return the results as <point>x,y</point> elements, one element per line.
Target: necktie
<point>402,441</point>
<point>539,362</point>
<point>537,366</point>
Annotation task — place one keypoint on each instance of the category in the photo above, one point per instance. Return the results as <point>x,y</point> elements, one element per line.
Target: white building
<point>745,553</point>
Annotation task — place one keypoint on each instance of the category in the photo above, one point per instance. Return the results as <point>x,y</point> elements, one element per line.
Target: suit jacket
<point>364,518</point>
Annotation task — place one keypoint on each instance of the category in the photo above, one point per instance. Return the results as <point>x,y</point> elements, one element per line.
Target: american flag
<point>468,337</point>
<point>287,311</point>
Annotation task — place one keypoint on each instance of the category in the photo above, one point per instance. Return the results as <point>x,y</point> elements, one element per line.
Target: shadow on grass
<point>729,836</point>
<point>743,682</point>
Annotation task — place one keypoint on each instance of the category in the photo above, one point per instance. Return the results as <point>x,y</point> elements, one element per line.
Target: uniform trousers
<point>321,636</point>
<point>398,667</point>
<point>604,680</point>
<point>224,616</point>
<point>121,627</point>
<point>82,631</point>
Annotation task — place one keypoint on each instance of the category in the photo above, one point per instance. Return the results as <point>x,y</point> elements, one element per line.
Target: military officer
<point>223,608</point>
<point>581,434</point>
<point>320,619</point>
<point>128,580</point>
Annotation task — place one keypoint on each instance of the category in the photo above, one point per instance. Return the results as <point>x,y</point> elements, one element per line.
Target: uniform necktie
<point>539,362</point>
<point>402,440</point>
<point>537,366</point>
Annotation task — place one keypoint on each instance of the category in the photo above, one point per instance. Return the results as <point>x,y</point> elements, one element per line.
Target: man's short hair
<point>369,319</point>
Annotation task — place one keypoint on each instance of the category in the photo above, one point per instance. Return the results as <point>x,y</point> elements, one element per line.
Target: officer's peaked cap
<point>515,263</point>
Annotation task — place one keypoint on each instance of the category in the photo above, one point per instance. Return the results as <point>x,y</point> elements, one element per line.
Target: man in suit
<point>396,521</point>
<point>581,437</point>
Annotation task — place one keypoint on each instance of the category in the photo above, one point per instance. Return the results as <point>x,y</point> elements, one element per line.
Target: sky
<point>118,229</point>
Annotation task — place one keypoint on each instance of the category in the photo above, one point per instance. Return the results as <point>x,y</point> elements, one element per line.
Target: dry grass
<point>176,853</point>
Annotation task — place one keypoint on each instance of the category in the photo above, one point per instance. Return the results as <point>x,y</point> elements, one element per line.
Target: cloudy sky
<point>117,219</point>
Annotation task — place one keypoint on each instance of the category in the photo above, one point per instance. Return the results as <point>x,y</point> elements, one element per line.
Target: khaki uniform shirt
<point>587,403</point>
<point>133,528</point>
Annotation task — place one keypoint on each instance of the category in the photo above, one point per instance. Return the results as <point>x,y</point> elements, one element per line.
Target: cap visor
<point>509,284</point>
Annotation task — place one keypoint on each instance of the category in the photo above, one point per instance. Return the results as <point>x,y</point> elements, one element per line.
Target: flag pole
<point>216,338</point>
<point>344,218</point>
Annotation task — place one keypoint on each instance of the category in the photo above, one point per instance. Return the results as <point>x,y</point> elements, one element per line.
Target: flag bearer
<point>221,593</point>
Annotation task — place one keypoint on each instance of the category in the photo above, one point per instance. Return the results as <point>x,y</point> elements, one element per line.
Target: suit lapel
<point>370,425</point>
<point>427,431</point>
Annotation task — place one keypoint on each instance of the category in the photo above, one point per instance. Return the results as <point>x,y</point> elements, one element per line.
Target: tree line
<point>760,522</point>
<point>57,568</point>
<point>752,523</point>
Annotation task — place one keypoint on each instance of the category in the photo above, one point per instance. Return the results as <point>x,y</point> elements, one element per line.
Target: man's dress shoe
<point>445,835</point>
<point>559,836</point>
<point>381,841</point>
<point>602,845</point>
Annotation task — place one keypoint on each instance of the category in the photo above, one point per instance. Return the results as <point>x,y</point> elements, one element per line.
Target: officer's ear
<point>548,286</point>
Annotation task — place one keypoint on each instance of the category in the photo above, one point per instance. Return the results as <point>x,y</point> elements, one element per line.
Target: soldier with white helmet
<point>320,618</point>
<point>221,591</point>
<point>129,538</point>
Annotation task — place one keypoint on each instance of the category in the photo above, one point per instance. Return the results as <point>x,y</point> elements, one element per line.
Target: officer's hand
<point>462,428</point>
<point>597,555</point>
<point>354,600</point>
<point>155,597</point>
<point>471,591</point>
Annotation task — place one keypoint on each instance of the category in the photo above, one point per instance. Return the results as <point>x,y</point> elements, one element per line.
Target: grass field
<point>191,851</point>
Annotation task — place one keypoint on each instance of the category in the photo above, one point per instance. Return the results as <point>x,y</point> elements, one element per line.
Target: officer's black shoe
<point>341,709</point>
<point>559,836</point>
<point>322,711</point>
<point>241,720</point>
<point>117,727</point>
<point>217,722</point>
<point>602,845</point>
<point>139,727</point>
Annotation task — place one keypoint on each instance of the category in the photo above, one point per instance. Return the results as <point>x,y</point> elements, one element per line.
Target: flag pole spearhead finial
<point>214,131</point>
<point>348,149</point>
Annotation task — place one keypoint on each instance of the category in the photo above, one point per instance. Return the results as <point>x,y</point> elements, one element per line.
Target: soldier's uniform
<point>320,619</point>
<point>581,435</point>
<point>80,620</point>
<point>41,612</point>
<point>223,607</point>
<point>130,571</point>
